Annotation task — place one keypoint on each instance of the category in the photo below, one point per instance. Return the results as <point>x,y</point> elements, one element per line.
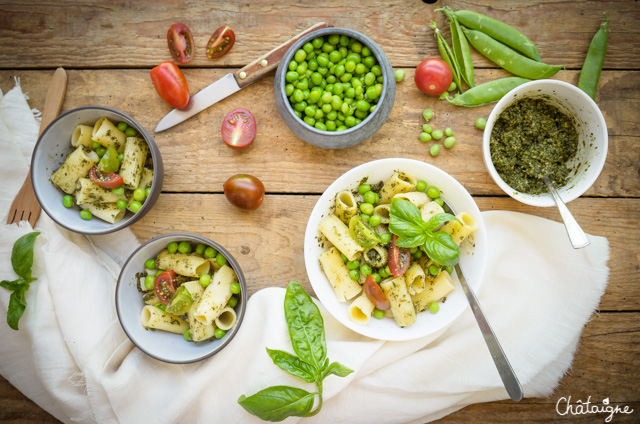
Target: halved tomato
<point>180,41</point>
<point>105,179</point>
<point>165,286</point>
<point>375,293</point>
<point>239,128</point>
<point>220,42</point>
<point>399,258</point>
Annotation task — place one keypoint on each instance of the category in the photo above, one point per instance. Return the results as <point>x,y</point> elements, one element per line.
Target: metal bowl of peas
<point>334,88</point>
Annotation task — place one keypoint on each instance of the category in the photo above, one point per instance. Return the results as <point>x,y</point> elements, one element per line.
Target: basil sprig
<point>407,223</point>
<point>306,331</point>
<point>21,261</point>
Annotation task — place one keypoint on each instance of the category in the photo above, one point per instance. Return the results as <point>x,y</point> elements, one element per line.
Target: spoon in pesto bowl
<point>576,235</point>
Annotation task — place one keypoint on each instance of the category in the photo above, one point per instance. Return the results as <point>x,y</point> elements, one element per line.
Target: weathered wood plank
<point>611,376</point>
<point>268,242</point>
<point>132,34</point>
<point>196,159</point>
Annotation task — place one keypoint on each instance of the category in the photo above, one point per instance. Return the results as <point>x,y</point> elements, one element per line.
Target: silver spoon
<point>577,237</point>
<point>508,376</point>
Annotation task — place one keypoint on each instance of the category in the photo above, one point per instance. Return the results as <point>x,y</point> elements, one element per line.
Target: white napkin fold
<point>72,358</point>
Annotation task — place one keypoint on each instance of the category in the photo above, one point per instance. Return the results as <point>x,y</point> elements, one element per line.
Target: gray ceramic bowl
<point>50,151</point>
<point>351,136</point>
<point>168,347</point>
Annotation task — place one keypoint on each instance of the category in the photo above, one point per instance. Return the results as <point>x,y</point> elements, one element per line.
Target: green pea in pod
<point>109,161</point>
<point>590,73</point>
<point>447,54</point>
<point>486,93</point>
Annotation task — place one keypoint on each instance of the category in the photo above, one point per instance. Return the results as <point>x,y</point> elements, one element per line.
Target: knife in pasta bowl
<point>232,83</point>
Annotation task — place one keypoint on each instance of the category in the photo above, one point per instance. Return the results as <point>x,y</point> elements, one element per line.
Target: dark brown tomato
<point>375,293</point>
<point>399,258</point>
<point>180,41</point>
<point>244,191</point>
<point>220,42</point>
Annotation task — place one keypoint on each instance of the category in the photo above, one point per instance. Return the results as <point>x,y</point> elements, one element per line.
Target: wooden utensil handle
<point>54,99</point>
<point>256,69</point>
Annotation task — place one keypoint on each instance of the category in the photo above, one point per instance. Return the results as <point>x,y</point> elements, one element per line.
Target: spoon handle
<point>508,376</point>
<point>576,235</point>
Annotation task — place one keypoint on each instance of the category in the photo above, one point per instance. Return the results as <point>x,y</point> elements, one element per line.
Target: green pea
<point>86,215</point>
<point>449,142</point>
<point>172,247</point>
<point>344,258</point>
<point>365,217</point>
<point>427,128</point>
<point>200,248</point>
<point>335,56</point>
<point>309,120</point>
<point>421,185</point>
<point>95,145</point>
<point>122,126</point>
<point>385,238</point>
<point>300,56</point>
<point>220,259</point>
<point>399,74</point>
<point>118,191</point>
<point>369,78</point>
<point>149,282</point>
<point>139,194</point>
<point>150,264</point>
<point>370,197</point>
<point>323,60</point>
<point>382,273</point>
<point>317,42</point>
<point>360,68</point>
<point>437,134</point>
<point>354,274</point>
<point>424,137</point>
<point>293,65</point>
<point>452,87</point>
<point>350,66</point>
<point>378,313</point>
<point>369,62</point>
<point>210,252</point>
<point>365,270</point>
<point>376,277</point>
<point>67,201</point>
<point>100,151</point>
<point>439,201</point>
<point>131,132</point>
<point>135,206</point>
<point>326,108</point>
<point>313,64</point>
<point>235,287</point>
<point>350,121</point>
<point>434,270</point>
<point>418,254</point>
<point>147,191</point>
<point>291,76</point>
<point>366,208</point>
<point>434,307</point>
<point>187,335</point>
<point>184,247</point>
<point>434,150</point>
<point>375,220</point>
<point>219,333</point>
<point>233,301</point>
<point>353,264</point>
<point>481,123</point>
<point>120,157</point>
<point>448,132</point>
<point>372,93</point>
<point>427,114</point>
<point>433,192</point>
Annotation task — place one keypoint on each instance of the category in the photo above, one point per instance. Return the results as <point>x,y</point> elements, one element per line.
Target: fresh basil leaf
<point>293,365</point>
<point>411,241</point>
<point>442,249</point>
<point>17,306</point>
<point>338,369</point>
<point>278,402</point>
<point>22,255</point>
<point>403,228</point>
<point>15,284</point>
<point>306,326</point>
<point>439,219</point>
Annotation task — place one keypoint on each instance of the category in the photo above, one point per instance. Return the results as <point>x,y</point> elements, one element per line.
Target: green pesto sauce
<point>530,139</point>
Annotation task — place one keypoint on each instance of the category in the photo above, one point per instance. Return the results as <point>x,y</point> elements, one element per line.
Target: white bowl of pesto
<point>473,252</point>
<point>525,138</point>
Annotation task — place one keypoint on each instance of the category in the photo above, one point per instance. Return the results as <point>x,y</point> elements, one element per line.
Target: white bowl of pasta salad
<point>380,249</point>
<point>95,170</point>
<point>181,298</point>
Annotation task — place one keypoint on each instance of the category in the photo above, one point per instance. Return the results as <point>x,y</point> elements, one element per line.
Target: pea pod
<point>509,59</point>
<point>495,29</point>
<point>462,52</point>
<point>592,66</point>
<point>446,53</point>
<point>488,92</point>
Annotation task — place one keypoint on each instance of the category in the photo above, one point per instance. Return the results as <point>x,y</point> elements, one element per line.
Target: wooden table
<point>108,49</point>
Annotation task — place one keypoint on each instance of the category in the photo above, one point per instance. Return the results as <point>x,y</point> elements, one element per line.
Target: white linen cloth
<point>72,358</point>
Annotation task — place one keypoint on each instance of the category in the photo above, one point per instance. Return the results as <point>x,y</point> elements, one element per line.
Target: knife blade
<point>232,83</point>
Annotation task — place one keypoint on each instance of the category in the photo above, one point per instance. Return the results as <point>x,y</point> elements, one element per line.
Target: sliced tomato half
<point>105,179</point>
<point>180,41</point>
<point>239,128</point>
<point>220,42</point>
<point>399,258</point>
<point>165,286</point>
<point>375,293</point>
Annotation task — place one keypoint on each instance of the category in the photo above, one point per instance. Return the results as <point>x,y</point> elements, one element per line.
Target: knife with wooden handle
<point>232,83</point>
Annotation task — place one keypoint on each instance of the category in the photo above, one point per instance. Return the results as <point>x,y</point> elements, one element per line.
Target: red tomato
<point>399,258</point>
<point>244,191</point>
<point>105,179</point>
<point>180,42</point>
<point>171,84</point>
<point>375,293</point>
<point>165,286</point>
<point>239,128</point>
<point>220,42</point>
<point>433,76</point>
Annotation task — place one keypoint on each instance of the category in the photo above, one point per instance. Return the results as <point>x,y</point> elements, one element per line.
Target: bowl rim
<point>236,268</point>
<point>543,199</point>
<point>125,222</point>
<point>376,51</point>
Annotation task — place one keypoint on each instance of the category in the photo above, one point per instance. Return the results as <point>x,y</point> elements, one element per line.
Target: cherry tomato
<point>375,293</point>
<point>244,191</point>
<point>171,84</point>
<point>180,42</point>
<point>433,76</point>
<point>105,179</point>
<point>220,42</point>
<point>238,128</point>
<point>165,286</point>
<point>399,258</point>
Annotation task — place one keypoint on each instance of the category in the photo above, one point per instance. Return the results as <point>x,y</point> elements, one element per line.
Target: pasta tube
<point>338,234</point>
<point>135,155</point>
<point>182,263</point>
<point>81,136</point>
<point>90,192</point>
<point>417,198</point>
<point>107,134</point>
<point>216,295</point>
<point>226,319</point>
<point>435,289</point>
<point>361,309</point>
<point>415,279</point>
<point>460,229</point>
<point>395,289</point>
<point>398,183</point>
<point>346,206</point>
<point>105,211</point>
<point>152,317</point>
<point>338,275</point>
<point>77,165</point>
